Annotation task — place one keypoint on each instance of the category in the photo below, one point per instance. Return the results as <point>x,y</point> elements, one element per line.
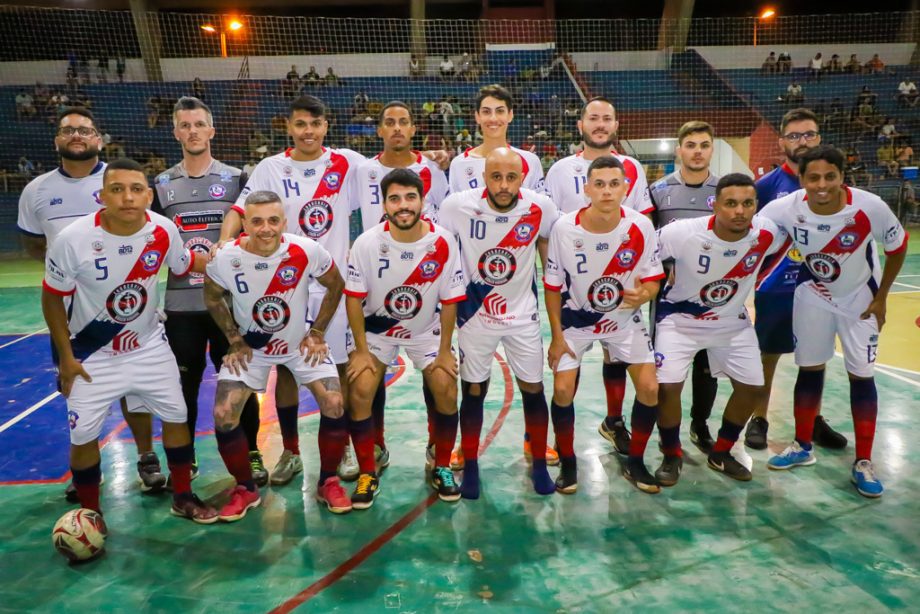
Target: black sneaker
<point>635,471</point>
<point>755,436</point>
<point>724,462</point>
<point>616,434</point>
<point>442,480</point>
<point>826,437</point>
<point>567,482</point>
<point>151,476</point>
<point>669,471</point>
<point>367,488</point>
<point>700,437</point>
<point>257,465</point>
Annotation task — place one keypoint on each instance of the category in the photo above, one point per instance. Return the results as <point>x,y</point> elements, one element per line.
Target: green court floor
<point>800,540</point>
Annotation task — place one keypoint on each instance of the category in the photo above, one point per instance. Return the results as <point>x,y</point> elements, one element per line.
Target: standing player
<point>494,111</point>
<point>690,192</point>
<point>777,283</point>
<point>111,343</point>
<point>602,267</point>
<point>500,230</point>
<point>565,183</point>
<point>399,272</point>
<point>715,263</point>
<point>49,204</point>
<point>841,294</point>
<point>196,194</point>
<point>316,186</point>
<point>267,275</point>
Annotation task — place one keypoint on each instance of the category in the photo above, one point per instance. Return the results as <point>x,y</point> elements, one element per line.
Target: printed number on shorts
<point>872,352</point>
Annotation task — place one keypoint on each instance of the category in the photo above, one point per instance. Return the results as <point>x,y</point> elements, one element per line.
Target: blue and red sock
<point>670,440</point>
<point>615,386</point>
<point>864,406</point>
<point>86,481</point>
<point>234,449</point>
<point>179,460</point>
<point>287,420</point>
<point>728,435</point>
<point>806,402</point>
<point>362,436</point>
<point>332,439</point>
<point>643,421</point>
<point>445,435</point>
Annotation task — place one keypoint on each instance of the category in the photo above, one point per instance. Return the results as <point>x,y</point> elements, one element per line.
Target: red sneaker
<point>241,500</point>
<point>334,496</point>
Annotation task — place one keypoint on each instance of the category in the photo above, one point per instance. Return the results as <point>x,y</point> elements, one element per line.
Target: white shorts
<point>523,349</point>
<point>630,344</point>
<point>149,375</point>
<point>421,350</point>
<point>256,374</point>
<point>337,332</point>
<point>732,353</point>
<point>815,327</point>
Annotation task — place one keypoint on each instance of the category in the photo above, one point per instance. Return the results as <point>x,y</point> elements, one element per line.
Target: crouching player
<point>112,344</point>
<point>602,267</point>
<point>267,275</point>
<point>716,261</point>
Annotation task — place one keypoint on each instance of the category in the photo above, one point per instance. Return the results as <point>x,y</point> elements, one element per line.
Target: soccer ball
<point>79,535</point>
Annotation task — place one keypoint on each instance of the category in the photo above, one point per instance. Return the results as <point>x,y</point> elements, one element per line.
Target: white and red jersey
<point>712,277</point>
<point>592,271</point>
<point>565,183</point>
<point>370,197</point>
<point>499,255</point>
<point>840,250</point>
<point>318,195</point>
<point>402,284</point>
<point>50,202</point>
<point>112,281</point>
<point>466,171</point>
<point>270,292</point>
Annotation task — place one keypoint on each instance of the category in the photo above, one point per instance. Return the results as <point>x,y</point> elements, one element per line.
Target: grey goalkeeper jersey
<point>196,205</point>
<point>675,200</point>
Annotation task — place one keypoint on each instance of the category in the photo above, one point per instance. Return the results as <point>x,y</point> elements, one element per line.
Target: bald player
<point>500,230</point>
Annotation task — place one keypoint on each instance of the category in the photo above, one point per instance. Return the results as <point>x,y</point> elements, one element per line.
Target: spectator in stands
<point>529,144</point>
<point>56,104</point>
<point>153,111</point>
<point>866,95</point>
<point>447,68</point>
<point>575,147</point>
<point>769,64</point>
<point>465,66</point>
<point>908,200</point>
<point>114,150</point>
<point>279,131</point>
<point>415,67</point>
<point>120,64</point>
<point>885,155</point>
<point>292,74</point>
<point>250,166</point>
<point>794,94</point>
<point>816,67</point>
<point>25,105</point>
<point>784,63</point>
<point>26,167</point>
<point>198,88</point>
<point>834,65</point>
<point>104,68</point>
<point>257,141</point>
<point>853,66</point>
<point>907,92</point>
<point>41,94</point>
<point>888,131</point>
<point>904,153</point>
<point>311,77</point>
<point>875,65</point>
<point>81,99</point>
<point>332,79</point>
<point>71,76</point>
<point>855,173</point>
<point>155,165</point>
<point>359,104</point>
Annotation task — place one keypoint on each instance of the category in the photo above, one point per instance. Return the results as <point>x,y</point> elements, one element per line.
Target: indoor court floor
<point>786,540</point>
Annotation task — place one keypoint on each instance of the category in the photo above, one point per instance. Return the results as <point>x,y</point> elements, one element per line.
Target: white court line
<point>899,276</point>
<point>31,410</point>
<point>9,343</point>
<point>898,283</point>
<point>883,369</point>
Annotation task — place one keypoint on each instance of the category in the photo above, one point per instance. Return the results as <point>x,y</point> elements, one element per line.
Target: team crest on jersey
<point>217,191</point>
<point>750,262</point>
<point>199,245</point>
<point>429,269</point>
<point>332,180</point>
<point>825,268</point>
<point>316,218</point>
<point>469,171</point>
<point>126,302</point>
<point>523,232</point>
<point>236,263</point>
<point>403,302</point>
<point>287,171</point>
<point>271,313</point>
<point>383,248</point>
<point>97,196</point>
<point>794,255</point>
<point>626,257</point>
<point>98,246</point>
<point>163,179</point>
<point>497,266</point>
<point>372,175</point>
<point>578,243</point>
<point>605,294</point>
<point>710,202</point>
<point>707,246</point>
<point>847,239</point>
<point>718,293</point>
<point>151,260</point>
<point>288,275</point>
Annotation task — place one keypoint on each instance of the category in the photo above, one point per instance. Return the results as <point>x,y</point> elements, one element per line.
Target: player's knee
<point>530,387</point>
<point>475,389</point>
<point>332,405</point>
<point>442,385</point>
<point>647,391</point>
<point>564,391</point>
<point>223,417</point>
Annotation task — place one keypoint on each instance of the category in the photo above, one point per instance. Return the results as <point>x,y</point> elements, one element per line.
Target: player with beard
<point>50,203</point>
<point>196,194</point>
<point>565,184</point>
<point>778,280</point>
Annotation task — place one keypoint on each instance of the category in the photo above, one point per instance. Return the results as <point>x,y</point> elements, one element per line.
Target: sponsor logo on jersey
<point>226,176</point>
<point>287,171</point>
<point>288,275</point>
<point>495,305</point>
<point>236,263</point>
<point>403,302</point>
<point>125,341</point>
<point>523,232</point>
<point>316,218</point>
<point>497,266</point>
<point>163,179</point>
<point>794,255</point>
<point>824,267</point>
<point>730,253</point>
<point>578,243</point>
<point>276,347</point>
<point>372,175</point>
<point>718,293</point>
<point>332,180</point>
<point>56,201</point>
<point>605,294</point>
<point>707,246</point>
<point>847,239</point>
<point>625,257</point>
<point>824,227</point>
<point>271,313</point>
<point>469,170</point>
<point>151,260</point>
<point>98,246</point>
<point>891,233</point>
<point>126,302</point>
<point>216,191</point>
<point>261,266</point>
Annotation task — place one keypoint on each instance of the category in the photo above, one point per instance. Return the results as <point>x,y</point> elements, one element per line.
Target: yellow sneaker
<point>552,457</point>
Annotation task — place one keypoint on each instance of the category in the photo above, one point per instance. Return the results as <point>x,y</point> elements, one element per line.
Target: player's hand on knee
<point>68,372</point>
<point>446,362</point>
<point>876,308</point>
<point>557,349</point>
<point>314,349</point>
<point>238,357</point>
<point>358,363</point>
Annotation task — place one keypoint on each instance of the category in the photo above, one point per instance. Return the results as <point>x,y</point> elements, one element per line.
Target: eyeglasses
<point>82,131</point>
<point>792,137</point>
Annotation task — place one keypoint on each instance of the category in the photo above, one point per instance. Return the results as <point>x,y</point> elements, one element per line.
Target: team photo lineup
<point>262,273</point>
